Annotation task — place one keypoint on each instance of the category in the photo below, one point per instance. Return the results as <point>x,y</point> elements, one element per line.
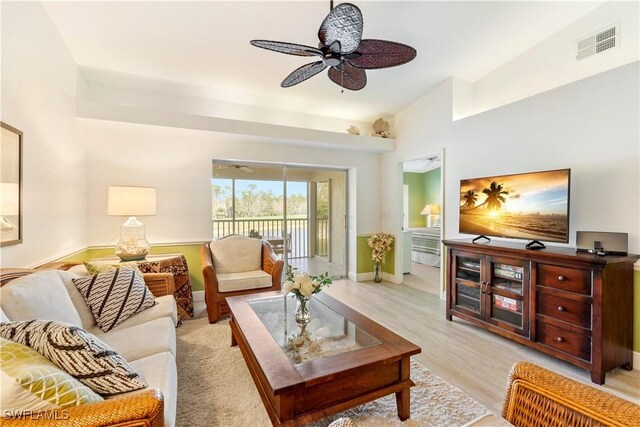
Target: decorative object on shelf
<point>342,49</point>
<point>303,286</point>
<point>132,202</point>
<point>10,186</point>
<point>380,244</point>
<point>380,128</point>
<point>433,214</point>
<point>353,130</point>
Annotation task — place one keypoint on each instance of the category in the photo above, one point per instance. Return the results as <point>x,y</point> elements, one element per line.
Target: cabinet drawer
<point>576,312</point>
<point>561,339</point>
<point>568,279</point>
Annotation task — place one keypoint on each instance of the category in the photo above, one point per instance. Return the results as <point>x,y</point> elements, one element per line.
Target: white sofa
<point>147,340</point>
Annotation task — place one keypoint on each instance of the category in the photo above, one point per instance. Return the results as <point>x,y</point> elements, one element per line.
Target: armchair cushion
<point>242,281</point>
<point>236,254</point>
<point>40,295</point>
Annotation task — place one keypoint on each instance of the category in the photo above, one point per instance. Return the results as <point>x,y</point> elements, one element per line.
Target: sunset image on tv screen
<point>533,206</point>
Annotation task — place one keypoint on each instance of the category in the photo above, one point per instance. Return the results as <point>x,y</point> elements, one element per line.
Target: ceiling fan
<point>243,168</point>
<point>343,50</point>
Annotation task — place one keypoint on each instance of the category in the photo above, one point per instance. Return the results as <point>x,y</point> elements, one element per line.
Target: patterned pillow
<point>76,351</point>
<point>115,295</point>
<point>95,268</point>
<point>32,383</point>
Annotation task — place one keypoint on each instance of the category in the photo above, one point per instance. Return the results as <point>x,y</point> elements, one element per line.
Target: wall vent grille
<point>598,42</point>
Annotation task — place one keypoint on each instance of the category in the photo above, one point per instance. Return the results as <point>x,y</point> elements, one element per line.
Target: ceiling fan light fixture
<point>342,50</point>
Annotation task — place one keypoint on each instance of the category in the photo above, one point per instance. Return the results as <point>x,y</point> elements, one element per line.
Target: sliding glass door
<point>294,208</point>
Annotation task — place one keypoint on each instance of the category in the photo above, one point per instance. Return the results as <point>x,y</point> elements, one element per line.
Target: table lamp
<point>9,204</point>
<point>132,202</point>
<point>430,211</point>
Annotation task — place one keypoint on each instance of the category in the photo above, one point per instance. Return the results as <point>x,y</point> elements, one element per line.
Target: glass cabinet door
<point>467,282</point>
<point>506,287</point>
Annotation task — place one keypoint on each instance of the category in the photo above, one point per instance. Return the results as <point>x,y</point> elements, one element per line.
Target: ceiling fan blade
<point>343,25</point>
<point>382,54</point>
<point>288,48</point>
<point>303,73</point>
<point>348,77</point>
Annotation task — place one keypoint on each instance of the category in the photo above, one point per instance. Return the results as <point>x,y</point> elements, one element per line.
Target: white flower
<point>299,280</point>
<point>288,286</point>
<point>307,288</point>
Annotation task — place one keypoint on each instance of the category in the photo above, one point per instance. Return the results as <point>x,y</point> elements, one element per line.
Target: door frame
<point>440,152</point>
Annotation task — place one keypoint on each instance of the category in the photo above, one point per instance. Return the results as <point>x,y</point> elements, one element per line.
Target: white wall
<point>591,126</point>
<point>552,63</point>
<point>38,91</point>
<point>178,163</point>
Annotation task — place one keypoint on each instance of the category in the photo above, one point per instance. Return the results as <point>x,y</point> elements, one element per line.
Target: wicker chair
<point>215,297</point>
<point>538,397</point>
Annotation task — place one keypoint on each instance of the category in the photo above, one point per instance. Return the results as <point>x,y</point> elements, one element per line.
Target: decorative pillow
<point>31,383</point>
<point>86,316</point>
<point>95,268</point>
<point>40,295</point>
<point>76,351</point>
<point>115,295</point>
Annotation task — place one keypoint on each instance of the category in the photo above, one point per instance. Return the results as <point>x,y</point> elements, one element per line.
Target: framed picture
<point>10,186</point>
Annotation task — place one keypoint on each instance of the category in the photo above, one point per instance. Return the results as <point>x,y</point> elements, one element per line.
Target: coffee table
<point>339,360</point>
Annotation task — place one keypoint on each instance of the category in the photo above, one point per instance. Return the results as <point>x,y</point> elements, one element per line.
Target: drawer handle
<point>561,278</point>
<point>560,339</point>
<point>561,308</point>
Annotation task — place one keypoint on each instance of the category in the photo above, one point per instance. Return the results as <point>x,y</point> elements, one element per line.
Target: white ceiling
<point>207,44</point>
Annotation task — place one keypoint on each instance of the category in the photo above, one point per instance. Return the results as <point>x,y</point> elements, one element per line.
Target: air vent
<point>598,42</point>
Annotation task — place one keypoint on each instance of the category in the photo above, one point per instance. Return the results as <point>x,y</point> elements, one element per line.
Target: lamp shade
<point>431,210</point>
<point>9,199</point>
<point>131,201</point>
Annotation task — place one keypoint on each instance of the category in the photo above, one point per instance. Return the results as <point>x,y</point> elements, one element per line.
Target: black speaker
<point>602,243</point>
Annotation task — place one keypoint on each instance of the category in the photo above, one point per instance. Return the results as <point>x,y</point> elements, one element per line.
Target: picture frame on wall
<point>10,185</point>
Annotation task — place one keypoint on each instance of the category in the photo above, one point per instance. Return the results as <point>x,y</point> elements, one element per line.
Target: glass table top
<point>327,334</point>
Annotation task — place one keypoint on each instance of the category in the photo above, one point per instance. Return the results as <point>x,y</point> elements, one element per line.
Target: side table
<point>176,264</point>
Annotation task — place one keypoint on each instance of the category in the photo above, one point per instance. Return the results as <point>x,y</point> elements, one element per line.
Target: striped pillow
<point>76,351</point>
<point>115,295</point>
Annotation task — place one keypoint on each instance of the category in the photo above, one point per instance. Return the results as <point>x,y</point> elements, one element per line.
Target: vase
<point>303,316</point>
<point>377,272</point>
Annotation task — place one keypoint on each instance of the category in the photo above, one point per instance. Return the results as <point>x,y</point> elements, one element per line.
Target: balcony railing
<point>274,228</point>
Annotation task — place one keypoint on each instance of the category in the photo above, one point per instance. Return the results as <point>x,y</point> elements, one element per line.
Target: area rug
<point>216,389</point>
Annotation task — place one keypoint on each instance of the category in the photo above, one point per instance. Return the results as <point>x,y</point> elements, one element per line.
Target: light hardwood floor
<point>469,357</point>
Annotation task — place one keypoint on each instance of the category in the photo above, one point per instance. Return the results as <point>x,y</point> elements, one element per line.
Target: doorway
<point>422,223</point>
<point>300,210</point>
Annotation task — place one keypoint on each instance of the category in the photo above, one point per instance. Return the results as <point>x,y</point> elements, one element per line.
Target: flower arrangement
<point>380,243</point>
<point>302,285</point>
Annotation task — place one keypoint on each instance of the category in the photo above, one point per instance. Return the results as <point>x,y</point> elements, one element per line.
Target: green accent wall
<point>424,188</point>
<point>415,181</point>
<point>431,181</point>
<point>191,253</point>
<point>364,263</point>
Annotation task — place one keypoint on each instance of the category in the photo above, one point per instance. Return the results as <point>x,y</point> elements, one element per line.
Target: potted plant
<point>380,244</point>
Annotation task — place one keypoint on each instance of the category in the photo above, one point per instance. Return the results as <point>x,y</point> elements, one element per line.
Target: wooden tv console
<point>574,306</point>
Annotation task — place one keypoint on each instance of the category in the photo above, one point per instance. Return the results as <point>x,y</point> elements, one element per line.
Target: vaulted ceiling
<point>207,44</point>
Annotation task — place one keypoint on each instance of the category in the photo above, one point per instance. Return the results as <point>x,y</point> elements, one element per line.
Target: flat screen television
<point>532,206</point>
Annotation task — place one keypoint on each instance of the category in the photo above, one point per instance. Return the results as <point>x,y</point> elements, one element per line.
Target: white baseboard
<point>363,277</point>
<point>198,296</point>
<point>636,360</point>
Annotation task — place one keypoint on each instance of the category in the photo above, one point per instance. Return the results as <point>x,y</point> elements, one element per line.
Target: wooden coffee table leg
<point>233,337</point>
<point>403,398</point>
<point>403,402</point>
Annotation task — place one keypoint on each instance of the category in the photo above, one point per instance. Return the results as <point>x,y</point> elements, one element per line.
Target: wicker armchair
<point>538,397</point>
<point>215,298</point>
